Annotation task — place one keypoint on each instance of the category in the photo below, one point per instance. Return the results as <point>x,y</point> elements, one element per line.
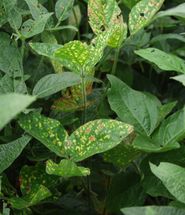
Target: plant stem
<point>84,97</point>
<point>116,56</point>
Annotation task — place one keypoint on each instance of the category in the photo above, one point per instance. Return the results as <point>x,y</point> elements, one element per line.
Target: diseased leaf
<point>45,49</point>
<point>95,137</point>
<point>163,60</point>
<point>36,9</point>
<point>172,129</point>
<point>10,151</point>
<point>133,107</point>
<point>153,210</point>
<point>66,168</point>
<point>142,13</point>
<point>173,178</point>
<point>32,27</point>
<point>48,131</point>
<point>73,55</point>
<point>32,176</point>
<point>10,106</point>
<point>63,9</point>
<point>53,83</point>
<point>38,194</point>
<point>106,15</point>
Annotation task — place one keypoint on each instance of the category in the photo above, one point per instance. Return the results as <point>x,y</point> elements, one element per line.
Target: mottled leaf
<point>45,49</point>
<point>10,106</point>
<point>142,13</point>
<point>73,55</point>
<point>34,197</point>
<point>10,151</point>
<point>106,15</point>
<point>66,168</point>
<point>133,107</point>
<point>32,176</point>
<point>153,210</point>
<point>32,27</point>
<point>3,16</point>
<point>48,131</point>
<point>53,83</point>
<point>173,178</point>
<point>95,137</point>
<point>163,60</point>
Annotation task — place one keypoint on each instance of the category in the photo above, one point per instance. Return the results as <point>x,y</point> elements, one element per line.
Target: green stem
<point>84,96</point>
<point>22,48</point>
<point>116,56</point>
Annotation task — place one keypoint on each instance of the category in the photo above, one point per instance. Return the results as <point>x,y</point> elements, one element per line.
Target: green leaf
<point>124,190</point>
<point>32,27</point>
<point>32,176</point>
<point>130,4</point>
<point>63,9</point>
<point>166,109</point>
<point>149,145</point>
<point>142,13</point>
<point>172,129</point>
<point>153,210</point>
<point>48,131</point>
<point>74,55</point>
<point>36,9</point>
<point>180,78</point>
<point>106,15</point>
<point>178,11</point>
<point>10,106</point>
<point>53,83</point>
<point>173,178</point>
<point>66,168</point>
<point>163,60</point>
<point>3,16</point>
<point>38,194</point>
<point>123,154</point>
<point>45,49</point>
<point>10,151</point>
<point>95,137</point>
<point>133,107</point>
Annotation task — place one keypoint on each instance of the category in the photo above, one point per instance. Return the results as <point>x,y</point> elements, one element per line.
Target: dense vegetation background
<point>92,117</point>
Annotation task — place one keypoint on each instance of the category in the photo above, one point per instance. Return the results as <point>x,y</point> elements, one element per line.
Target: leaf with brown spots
<point>66,168</point>
<point>142,13</point>
<point>48,131</point>
<point>106,15</point>
<point>95,137</point>
<point>33,176</point>
<point>34,197</point>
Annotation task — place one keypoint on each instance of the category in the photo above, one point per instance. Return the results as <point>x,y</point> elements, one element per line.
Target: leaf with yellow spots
<point>106,15</point>
<point>36,195</point>
<point>95,137</point>
<point>142,13</point>
<point>48,131</point>
<point>66,168</point>
<point>73,55</point>
<point>32,176</point>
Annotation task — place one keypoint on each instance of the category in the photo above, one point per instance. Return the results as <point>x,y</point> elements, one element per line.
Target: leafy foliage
<point>92,116</point>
